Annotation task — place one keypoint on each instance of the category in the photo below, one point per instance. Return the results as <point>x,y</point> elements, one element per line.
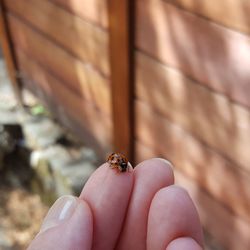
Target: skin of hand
<point>136,210</point>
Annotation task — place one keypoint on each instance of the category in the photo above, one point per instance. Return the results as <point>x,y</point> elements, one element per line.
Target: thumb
<point>68,225</point>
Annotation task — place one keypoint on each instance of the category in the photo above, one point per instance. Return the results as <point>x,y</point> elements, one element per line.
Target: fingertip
<point>74,232</point>
<point>172,214</point>
<point>165,161</point>
<point>159,166</point>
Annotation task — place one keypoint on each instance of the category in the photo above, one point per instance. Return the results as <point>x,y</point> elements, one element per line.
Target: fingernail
<point>62,209</point>
<point>166,161</point>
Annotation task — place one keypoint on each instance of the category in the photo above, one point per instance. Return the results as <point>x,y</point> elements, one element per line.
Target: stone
<point>43,182</point>
<point>6,242</point>
<point>29,99</point>
<point>89,154</point>
<point>56,154</point>
<point>9,117</point>
<point>73,175</point>
<point>40,132</point>
<point>62,172</point>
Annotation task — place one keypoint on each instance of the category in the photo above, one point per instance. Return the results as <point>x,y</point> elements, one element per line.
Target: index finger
<point>107,192</point>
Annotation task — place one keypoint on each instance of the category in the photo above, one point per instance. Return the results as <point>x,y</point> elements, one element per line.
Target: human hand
<point>135,210</point>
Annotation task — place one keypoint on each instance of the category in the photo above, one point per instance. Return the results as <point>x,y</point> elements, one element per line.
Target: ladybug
<point>118,161</point>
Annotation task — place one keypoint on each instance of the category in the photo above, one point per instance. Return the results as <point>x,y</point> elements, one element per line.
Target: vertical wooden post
<point>121,59</point>
<point>9,53</point>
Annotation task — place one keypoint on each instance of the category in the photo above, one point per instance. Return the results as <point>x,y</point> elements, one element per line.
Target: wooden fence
<point>148,78</point>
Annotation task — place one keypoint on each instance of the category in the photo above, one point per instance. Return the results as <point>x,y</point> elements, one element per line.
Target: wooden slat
<point>214,119</point>
<point>209,169</point>
<point>120,31</point>
<point>95,11</point>
<point>212,55</point>
<point>231,13</point>
<point>228,230</point>
<point>93,121</point>
<point>82,79</point>
<point>84,40</point>
<point>8,53</point>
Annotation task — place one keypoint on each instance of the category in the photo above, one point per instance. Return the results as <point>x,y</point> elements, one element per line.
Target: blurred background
<point>148,78</point>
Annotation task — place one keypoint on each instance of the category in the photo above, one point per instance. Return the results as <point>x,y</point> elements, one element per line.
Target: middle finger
<point>149,177</point>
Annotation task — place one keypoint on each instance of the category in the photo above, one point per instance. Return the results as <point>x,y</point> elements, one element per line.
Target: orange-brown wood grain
<point>211,54</point>
<point>211,117</point>
<point>231,13</point>
<point>65,101</point>
<point>220,177</point>
<point>84,80</point>
<point>86,41</point>
<point>95,11</point>
<point>228,230</point>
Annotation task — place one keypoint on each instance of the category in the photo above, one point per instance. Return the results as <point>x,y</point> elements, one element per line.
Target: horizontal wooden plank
<point>84,40</point>
<point>230,231</point>
<point>211,54</point>
<point>95,11</point>
<point>209,169</point>
<point>220,123</point>
<point>85,81</point>
<point>231,13</point>
<point>97,124</point>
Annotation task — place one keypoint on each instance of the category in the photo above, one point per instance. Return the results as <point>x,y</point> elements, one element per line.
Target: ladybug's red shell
<point>119,161</point>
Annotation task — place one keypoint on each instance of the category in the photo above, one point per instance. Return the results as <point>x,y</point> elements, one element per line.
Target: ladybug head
<point>124,166</point>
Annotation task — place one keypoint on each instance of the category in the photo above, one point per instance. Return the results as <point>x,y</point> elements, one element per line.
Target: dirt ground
<point>21,213</point>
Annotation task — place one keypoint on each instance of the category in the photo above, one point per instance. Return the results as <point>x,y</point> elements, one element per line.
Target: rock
<point>9,117</point>
<point>88,154</point>
<point>6,242</point>
<point>55,154</point>
<point>29,99</point>
<point>60,171</point>
<point>40,132</point>
<point>73,175</point>
<point>43,182</point>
